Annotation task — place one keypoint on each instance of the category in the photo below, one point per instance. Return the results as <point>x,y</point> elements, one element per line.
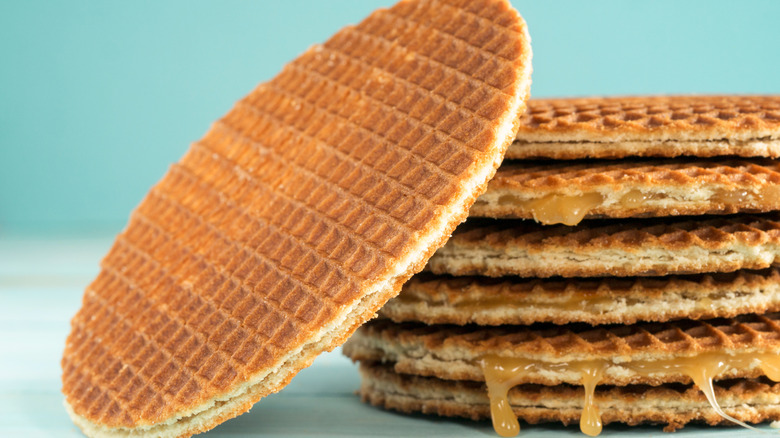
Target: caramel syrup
<point>502,373</point>
<point>570,210</point>
<point>558,209</point>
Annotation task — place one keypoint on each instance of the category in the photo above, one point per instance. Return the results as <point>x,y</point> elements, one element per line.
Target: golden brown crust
<point>455,352</point>
<point>647,247</point>
<point>296,217</point>
<point>608,300</point>
<point>632,188</point>
<point>761,147</point>
<point>664,126</point>
<point>750,401</point>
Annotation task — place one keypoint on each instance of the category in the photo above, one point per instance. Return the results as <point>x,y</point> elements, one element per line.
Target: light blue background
<point>97,98</point>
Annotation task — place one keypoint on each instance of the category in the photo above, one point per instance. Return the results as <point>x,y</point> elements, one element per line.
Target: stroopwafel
<point>296,217</point>
<point>649,126</point>
<point>569,191</point>
<point>638,247</point>
<point>605,300</point>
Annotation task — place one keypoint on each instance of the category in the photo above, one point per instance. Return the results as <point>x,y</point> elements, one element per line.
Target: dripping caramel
<point>502,373</point>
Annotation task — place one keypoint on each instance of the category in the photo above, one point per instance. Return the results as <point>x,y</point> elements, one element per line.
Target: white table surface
<point>41,282</point>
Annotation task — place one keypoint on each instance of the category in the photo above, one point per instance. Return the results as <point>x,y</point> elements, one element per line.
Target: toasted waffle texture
<point>650,247</point>
<point>455,352</point>
<point>748,400</point>
<point>660,126</point>
<point>296,217</point>
<point>606,300</point>
<point>551,192</point>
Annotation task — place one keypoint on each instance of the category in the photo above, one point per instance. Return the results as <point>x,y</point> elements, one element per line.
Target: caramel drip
<point>557,209</point>
<point>703,368</point>
<point>500,376</point>
<point>590,420</point>
<point>502,373</point>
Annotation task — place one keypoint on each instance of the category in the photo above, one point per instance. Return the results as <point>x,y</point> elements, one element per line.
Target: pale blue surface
<point>41,282</point>
<point>97,98</point>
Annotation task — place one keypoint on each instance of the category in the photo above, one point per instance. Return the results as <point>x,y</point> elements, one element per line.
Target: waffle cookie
<point>512,300</point>
<point>650,247</point>
<point>642,353</point>
<point>568,191</point>
<point>296,217</point>
<point>664,126</point>
<point>746,400</point>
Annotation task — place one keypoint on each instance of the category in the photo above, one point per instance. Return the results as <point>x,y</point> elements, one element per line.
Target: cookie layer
<point>652,126</point>
<point>608,300</point>
<point>748,345</point>
<point>649,247</point>
<point>567,192</point>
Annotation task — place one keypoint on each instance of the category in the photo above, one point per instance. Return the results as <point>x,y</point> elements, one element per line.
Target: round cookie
<point>296,216</point>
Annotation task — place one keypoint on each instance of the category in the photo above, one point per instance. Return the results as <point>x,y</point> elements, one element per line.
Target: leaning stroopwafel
<point>296,217</point>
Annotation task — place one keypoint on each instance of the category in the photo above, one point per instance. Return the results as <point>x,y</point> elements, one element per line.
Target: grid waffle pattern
<point>647,118</point>
<point>575,341</point>
<point>309,191</point>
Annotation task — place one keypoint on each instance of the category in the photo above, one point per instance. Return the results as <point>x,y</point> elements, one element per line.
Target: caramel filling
<point>635,198</point>
<point>483,303</point>
<point>590,420</point>
<point>502,373</point>
<point>574,302</point>
<point>768,194</point>
<point>557,209</point>
<point>570,210</point>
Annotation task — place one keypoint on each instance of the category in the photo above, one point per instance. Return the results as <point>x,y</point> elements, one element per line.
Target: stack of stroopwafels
<point>643,291</point>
